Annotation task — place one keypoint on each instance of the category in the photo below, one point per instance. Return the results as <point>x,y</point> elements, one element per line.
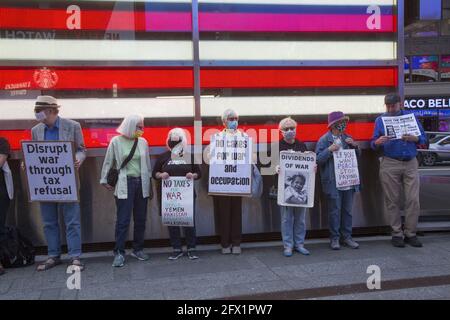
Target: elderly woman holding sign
<point>127,171</point>
<point>178,162</point>
<point>228,205</point>
<point>293,226</point>
<point>339,198</point>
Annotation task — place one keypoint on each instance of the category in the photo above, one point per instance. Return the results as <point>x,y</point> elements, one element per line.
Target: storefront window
<point>445,68</point>
<point>424,68</point>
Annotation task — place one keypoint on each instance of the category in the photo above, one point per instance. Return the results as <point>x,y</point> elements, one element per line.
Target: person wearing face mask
<point>52,127</point>
<point>133,188</point>
<point>178,162</point>
<point>340,201</point>
<point>6,189</point>
<point>398,173</point>
<point>228,209</point>
<point>293,225</point>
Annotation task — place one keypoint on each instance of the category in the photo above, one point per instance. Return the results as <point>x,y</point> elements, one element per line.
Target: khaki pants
<point>395,177</point>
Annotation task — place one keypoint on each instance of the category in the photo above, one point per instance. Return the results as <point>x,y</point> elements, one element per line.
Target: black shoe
<point>2,270</point>
<point>413,241</point>
<point>176,254</point>
<point>398,242</point>
<point>192,255</point>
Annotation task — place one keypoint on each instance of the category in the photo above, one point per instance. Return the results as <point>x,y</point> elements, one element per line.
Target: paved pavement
<point>259,272</point>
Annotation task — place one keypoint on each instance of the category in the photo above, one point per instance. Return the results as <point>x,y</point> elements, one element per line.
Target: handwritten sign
<point>396,127</point>
<point>230,171</point>
<point>50,171</point>
<point>346,168</point>
<point>296,179</point>
<point>177,202</point>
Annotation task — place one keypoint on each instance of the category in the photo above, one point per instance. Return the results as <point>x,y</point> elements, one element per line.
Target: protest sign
<point>177,202</point>
<point>230,171</point>
<point>346,168</point>
<point>396,127</point>
<point>296,180</point>
<point>50,171</point>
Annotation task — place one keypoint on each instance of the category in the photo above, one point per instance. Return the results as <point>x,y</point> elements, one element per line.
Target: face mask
<point>289,135</point>
<point>341,126</point>
<point>40,116</point>
<point>138,134</point>
<point>172,143</point>
<point>232,125</point>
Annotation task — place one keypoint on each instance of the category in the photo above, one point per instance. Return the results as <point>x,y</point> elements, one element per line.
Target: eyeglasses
<point>233,119</point>
<point>289,129</point>
<point>140,127</point>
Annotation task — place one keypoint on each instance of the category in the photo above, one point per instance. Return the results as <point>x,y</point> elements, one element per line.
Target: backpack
<point>16,250</point>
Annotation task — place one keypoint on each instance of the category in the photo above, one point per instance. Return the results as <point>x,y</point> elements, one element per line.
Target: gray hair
<point>227,113</point>
<point>283,123</point>
<point>128,126</point>
<point>177,133</point>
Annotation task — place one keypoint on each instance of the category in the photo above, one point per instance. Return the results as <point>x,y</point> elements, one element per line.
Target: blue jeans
<point>175,237</point>
<point>340,215</point>
<point>138,204</point>
<point>71,214</point>
<point>293,226</point>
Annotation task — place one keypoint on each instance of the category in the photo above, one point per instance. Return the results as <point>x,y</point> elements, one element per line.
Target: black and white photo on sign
<point>230,171</point>
<point>396,127</point>
<point>295,187</point>
<point>296,179</point>
<point>50,171</point>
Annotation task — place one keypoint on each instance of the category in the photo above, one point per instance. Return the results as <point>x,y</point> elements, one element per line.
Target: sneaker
<point>176,254</point>
<point>191,254</point>
<point>119,261</point>
<point>236,250</point>
<point>398,242</point>
<point>140,255</point>
<point>351,243</point>
<point>302,250</point>
<point>226,250</point>
<point>334,244</point>
<point>413,241</point>
<point>287,252</point>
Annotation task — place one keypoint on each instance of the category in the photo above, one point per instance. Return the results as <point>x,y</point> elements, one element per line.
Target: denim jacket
<point>325,162</point>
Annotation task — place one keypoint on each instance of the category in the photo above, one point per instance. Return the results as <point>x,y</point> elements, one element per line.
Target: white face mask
<point>40,116</point>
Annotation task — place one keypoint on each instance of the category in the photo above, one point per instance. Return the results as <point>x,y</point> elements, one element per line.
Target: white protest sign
<point>50,171</point>
<point>296,180</point>
<point>396,127</point>
<point>346,168</point>
<point>177,202</point>
<point>230,171</point>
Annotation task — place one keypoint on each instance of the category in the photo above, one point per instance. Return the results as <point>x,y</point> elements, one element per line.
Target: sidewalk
<point>260,270</point>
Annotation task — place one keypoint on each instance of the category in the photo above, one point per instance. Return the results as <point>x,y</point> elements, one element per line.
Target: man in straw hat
<point>399,172</point>
<point>52,127</point>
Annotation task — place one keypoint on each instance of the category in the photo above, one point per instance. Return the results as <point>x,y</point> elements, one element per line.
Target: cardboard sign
<point>296,181</point>
<point>50,171</point>
<point>396,127</point>
<point>346,168</point>
<point>230,171</point>
<point>177,202</point>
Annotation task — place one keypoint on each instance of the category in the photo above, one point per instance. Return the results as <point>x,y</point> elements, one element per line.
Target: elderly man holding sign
<point>54,128</point>
<point>339,186</point>
<point>397,138</point>
<point>230,177</point>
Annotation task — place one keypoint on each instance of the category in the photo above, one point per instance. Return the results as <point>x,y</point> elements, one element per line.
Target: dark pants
<point>138,204</point>
<point>229,215</point>
<point>4,206</point>
<point>175,237</point>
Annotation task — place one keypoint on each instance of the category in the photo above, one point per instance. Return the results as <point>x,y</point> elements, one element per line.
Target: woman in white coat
<point>6,189</point>
<point>133,186</point>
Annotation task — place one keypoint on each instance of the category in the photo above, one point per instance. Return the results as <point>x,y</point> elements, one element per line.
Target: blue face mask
<point>232,125</point>
<point>289,135</point>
